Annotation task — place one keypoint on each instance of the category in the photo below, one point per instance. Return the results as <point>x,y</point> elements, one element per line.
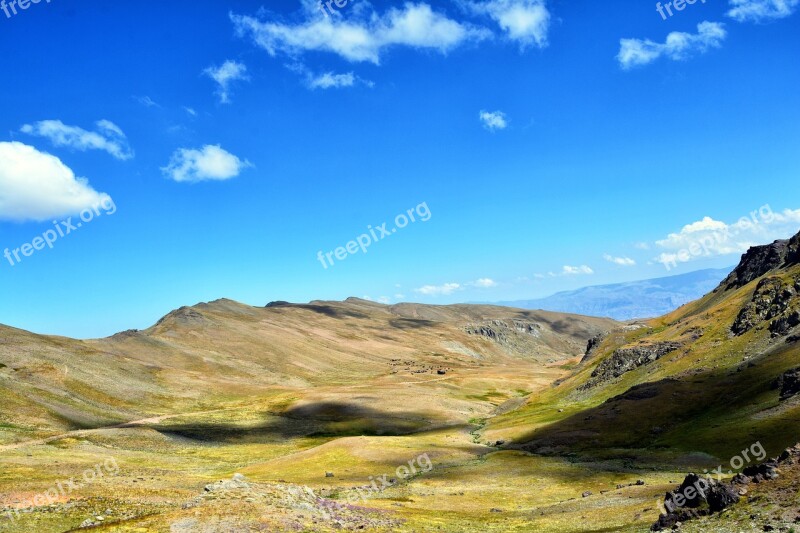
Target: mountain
<point>357,416</point>
<point>635,299</point>
<point>280,395</point>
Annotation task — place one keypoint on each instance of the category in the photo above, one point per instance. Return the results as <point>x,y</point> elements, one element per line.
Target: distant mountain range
<point>635,299</point>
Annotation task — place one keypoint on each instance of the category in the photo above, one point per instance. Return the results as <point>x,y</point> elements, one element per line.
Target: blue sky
<point>554,145</point>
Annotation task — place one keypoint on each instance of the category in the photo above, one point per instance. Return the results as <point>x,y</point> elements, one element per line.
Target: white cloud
<point>761,10</point>
<point>227,73</point>
<point>576,271</point>
<point>330,80</point>
<point>678,45</point>
<point>712,238</point>
<point>524,21</point>
<point>622,261</point>
<point>108,137</point>
<point>37,186</point>
<point>493,120</point>
<point>364,37</point>
<point>190,110</point>
<point>450,288</point>
<point>327,80</point>
<point>439,290</point>
<point>209,163</point>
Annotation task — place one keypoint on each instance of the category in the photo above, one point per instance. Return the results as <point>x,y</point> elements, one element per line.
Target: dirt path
<point>85,432</point>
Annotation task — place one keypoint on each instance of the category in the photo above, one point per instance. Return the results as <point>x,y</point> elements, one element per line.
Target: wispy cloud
<point>364,37</point>
<point>449,288</point>
<point>330,80</point>
<point>38,186</point>
<point>493,120</point>
<point>761,10</point>
<point>524,21</point>
<point>108,137</point>
<point>438,290</point>
<point>146,101</point>
<point>677,46</point>
<point>225,74</point>
<point>210,163</point>
<point>622,261</point>
<point>576,270</point>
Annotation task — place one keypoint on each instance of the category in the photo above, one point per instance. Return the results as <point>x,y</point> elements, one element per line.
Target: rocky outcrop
<point>759,260</point>
<point>788,383</point>
<point>783,325</point>
<point>626,359</point>
<point>697,496</point>
<point>501,331</point>
<point>184,316</point>
<point>592,345</point>
<point>771,300</point>
<point>793,253</point>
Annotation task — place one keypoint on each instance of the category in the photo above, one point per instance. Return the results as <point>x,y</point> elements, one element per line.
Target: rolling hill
<point>227,417</point>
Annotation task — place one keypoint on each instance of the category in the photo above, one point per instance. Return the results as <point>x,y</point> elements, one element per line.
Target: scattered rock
<point>329,474</point>
<point>586,494</point>
<point>762,472</point>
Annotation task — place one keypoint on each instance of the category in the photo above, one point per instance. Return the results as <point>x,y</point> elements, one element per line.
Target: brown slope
<point>196,357</point>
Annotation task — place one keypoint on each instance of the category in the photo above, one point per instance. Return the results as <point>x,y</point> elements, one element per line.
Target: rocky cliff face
<point>761,259</point>
<point>773,299</point>
<point>626,359</point>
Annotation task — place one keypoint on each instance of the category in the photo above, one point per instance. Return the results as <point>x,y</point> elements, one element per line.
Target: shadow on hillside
<point>327,310</point>
<point>707,411</point>
<point>411,323</point>
<point>310,420</point>
<point>333,312</point>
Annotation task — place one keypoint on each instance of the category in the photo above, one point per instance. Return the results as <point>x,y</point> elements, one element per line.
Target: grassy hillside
<point>355,416</point>
<point>282,394</point>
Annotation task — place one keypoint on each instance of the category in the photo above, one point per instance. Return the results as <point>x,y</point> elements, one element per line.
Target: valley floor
<point>165,468</point>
